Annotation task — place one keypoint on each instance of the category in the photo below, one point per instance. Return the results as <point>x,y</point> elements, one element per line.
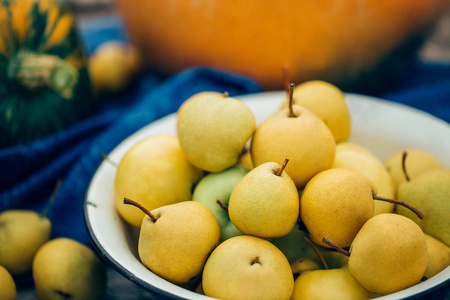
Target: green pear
<point>438,256</point>
<point>332,281</point>
<point>335,204</point>
<point>429,193</point>
<point>22,233</point>
<point>156,172</point>
<point>388,254</point>
<point>213,130</point>
<point>298,134</point>
<point>354,157</point>
<point>175,240</point>
<point>416,163</point>
<point>66,269</point>
<point>7,286</point>
<point>218,186</point>
<point>265,203</point>
<point>326,101</point>
<point>247,267</point>
<point>294,246</point>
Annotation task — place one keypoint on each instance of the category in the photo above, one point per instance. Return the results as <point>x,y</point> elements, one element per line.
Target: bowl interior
<point>380,126</point>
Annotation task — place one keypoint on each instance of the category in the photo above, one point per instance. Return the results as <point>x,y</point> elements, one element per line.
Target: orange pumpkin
<point>337,41</point>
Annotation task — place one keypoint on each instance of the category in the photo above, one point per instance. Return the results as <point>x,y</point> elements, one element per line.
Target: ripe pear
<point>156,172</point>
<point>175,240</point>
<point>332,282</point>
<point>388,254</point>
<point>247,267</point>
<point>335,204</point>
<point>429,193</point>
<point>326,101</point>
<point>354,157</point>
<point>22,233</point>
<point>265,202</point>
<point>213,130</point>
<point>299,135</point>
<point>438,256</point>
<point>218,186</point>
<point>66,269</point>
<point>416,163</point>
<point>7,285</point>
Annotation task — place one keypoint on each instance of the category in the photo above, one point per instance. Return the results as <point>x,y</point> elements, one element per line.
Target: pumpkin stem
<point>36,70</point>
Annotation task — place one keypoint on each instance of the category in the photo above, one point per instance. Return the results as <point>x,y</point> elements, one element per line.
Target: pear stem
<point>146,211</point>
<point>283,166</point>
<point>291,100</point>
<point>255,261</point>
<point>404,154</point>
<point>52,198</point>
<point>413,209</point>
<point>221,205</point>
<point>108,159</point>
<point>324,263</point>
<point>336,247</point>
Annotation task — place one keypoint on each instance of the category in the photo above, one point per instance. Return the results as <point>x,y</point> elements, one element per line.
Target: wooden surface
<point>437,49</point>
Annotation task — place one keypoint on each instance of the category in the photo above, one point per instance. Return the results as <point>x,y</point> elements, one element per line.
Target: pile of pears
<point>288,209</point>
<point>61,268</point>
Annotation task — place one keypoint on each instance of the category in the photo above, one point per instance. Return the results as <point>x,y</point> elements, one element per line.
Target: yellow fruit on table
<point>335,41</point>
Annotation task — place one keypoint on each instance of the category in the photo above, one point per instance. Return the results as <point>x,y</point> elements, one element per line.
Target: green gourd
<point>44,82</point>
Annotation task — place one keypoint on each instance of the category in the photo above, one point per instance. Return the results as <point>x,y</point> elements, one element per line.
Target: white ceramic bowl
<point>382,127</point>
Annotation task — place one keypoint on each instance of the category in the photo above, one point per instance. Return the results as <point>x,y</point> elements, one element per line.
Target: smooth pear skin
<point>334,284</point>
<point>389,254</point>
<point>335,204</point>
<point>264,204</point>
<point>305,140</point>
<point>177,245</point>
<point>326,101</point>
<point>7,285</point>
<point>430,194</point>
<point>154,172</point>
<point>357,158</point>
<point>247,267</point>
<point>22,233</point>
<point>65,269</point>
<point>218,186</point>
<point>213,130</point>
<point>438,256</point>
<point>417,162</point>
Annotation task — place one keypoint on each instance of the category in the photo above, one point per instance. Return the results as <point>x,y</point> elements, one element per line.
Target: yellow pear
<point>175,240</point>
<point>156,172</point>
<point>388,254</point>
<point>438,256</point>
<point>247,267</point>
<point>298,134</point>
<point>22,233</point>
<point>335,204</point>
<point>328,102</point>
<point>416,163</point>
<point>66,269</point>
<point>354,157</point>
<point>213,130</point>
<point>7,286</point>
<point>334,283</point>
<point>265,202</point>
<point>430,194</point>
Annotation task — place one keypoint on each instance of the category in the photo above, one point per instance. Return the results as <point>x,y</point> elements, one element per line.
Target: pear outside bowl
<point>383,127</point>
